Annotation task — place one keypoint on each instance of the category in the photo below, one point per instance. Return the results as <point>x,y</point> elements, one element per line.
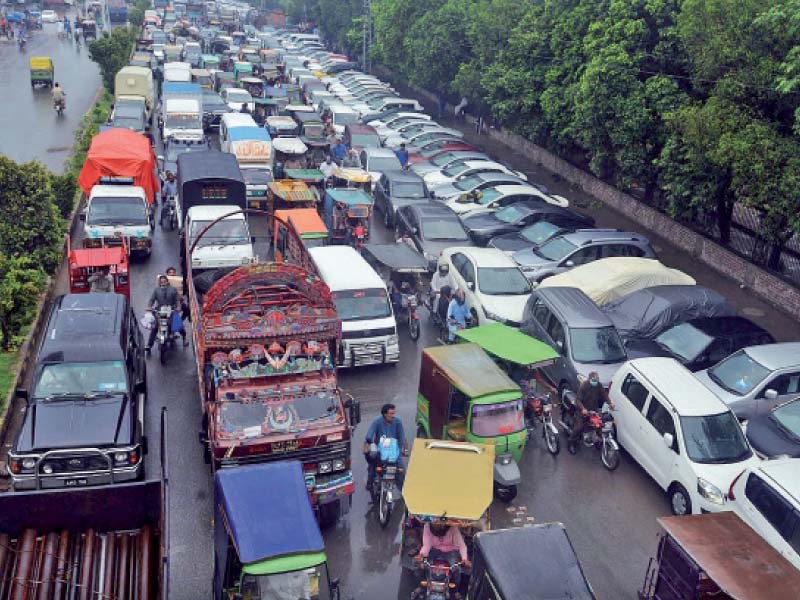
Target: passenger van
<point>230,120</point>
<point>369,329</point>
<point>685,437</point>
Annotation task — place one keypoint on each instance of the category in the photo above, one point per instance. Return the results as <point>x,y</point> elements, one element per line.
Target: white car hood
<point>507,307</point>
<point>723,475</point>
<point>361,325</point>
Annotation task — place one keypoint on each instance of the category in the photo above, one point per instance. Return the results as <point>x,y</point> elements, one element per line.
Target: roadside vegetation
<point>694,105</point>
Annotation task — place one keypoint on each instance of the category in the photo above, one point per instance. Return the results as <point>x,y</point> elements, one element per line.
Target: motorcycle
<point>59,106</point>
<point>385,491</point>
<point>598,431</point>
<point>164,338</point>
<point>21,41</point>
<point>169,214</point>
<point>437,581</point>
<point>539,408</point>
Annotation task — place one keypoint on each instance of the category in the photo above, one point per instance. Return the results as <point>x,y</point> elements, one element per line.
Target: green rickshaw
<point>209,61</point>
<point>42,71</point>
<point>465,397</point>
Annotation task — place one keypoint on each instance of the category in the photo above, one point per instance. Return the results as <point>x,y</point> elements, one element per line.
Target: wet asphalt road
<point>29,127</point>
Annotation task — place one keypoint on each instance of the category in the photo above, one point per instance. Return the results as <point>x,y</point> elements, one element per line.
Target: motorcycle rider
<point>59,96</point>
<point>163,295</point>
<point>444,542</point>
<point>168,188</point>
<point>457,315</point>
<point>590,397</point>
<point>385,425</point>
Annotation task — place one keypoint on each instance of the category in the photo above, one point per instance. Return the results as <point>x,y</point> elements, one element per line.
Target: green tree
<point>21,282</point>
<point>112,52</point>
<point>64,188</point>
<point>30,224</point>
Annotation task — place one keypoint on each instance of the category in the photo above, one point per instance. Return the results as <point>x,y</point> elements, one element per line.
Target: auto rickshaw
<point>464,396</point>
<point>241,70</point>
<point>402,268</point>
<point>344,211</point>
<point>716,556</point>
<point>351,178</point>
<point>89,29</point>
<point>286,194</point>
<point>42,71</point>
<point>249,54</point>
<point>254,85</point>
<point>522,357</point>
<point>291,152</point>
<point>313,178</point>
<point>527,562</point>
<point>451,481</point>
<point>84,262</point>
<point>266,107</point>
<point>209,61</point>
<point>223,79</point>
<point>305,222</point>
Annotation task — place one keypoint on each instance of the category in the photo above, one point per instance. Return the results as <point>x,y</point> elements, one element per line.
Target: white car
<point>235,97</point>
<point>767,497</point>
<point>399,127</point>
<point>49,16</point>
<point>495,289</point>
<point>420,137</point>
<point>395,119</point>
<point>500,196</point>
<point>465,168</point>
<point>682,435</point>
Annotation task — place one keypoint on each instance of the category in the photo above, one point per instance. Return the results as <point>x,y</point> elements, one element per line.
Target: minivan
<point>369,329</point>
<point>685,437</point>
<point>579,331</point>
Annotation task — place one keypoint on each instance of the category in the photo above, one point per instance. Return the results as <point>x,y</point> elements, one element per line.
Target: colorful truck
<point>265,338</point>
<point>117,11</point>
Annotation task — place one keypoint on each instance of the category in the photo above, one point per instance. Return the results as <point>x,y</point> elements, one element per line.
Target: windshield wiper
<point>62,396</point>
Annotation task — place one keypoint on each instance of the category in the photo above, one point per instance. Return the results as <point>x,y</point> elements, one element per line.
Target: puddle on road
<point>58,149</point>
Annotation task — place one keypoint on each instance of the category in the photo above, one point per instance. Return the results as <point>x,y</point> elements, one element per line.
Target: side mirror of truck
<point>354,410</point>
<point>21,393</point>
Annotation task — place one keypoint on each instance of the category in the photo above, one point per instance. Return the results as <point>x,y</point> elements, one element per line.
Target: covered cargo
<point>210,178</point>
<point>120,154</point>
<point>137,82</point>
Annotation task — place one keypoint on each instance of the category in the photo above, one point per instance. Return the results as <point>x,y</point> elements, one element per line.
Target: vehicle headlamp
<point>709,491</point>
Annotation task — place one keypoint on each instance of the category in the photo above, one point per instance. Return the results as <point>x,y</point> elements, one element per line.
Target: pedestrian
<point>339,150</point>
<point>402,155</point>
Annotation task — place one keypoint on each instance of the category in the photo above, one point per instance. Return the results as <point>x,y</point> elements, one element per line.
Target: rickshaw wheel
<point>505,493</point>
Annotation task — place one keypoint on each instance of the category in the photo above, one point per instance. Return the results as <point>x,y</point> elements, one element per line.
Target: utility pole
<point>366,42</point>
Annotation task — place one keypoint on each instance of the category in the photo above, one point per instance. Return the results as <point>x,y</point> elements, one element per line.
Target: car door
<point>770,514</point>
<point>470,278</point>
<point>629,414</point>
<point>786,385</point>
<point>656,457</point>
<point>581,256</point>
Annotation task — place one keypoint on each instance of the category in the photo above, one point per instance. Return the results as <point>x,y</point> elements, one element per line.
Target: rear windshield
<point>361,305</point>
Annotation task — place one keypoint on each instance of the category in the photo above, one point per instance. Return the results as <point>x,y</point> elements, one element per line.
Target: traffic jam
<point>320,217</point>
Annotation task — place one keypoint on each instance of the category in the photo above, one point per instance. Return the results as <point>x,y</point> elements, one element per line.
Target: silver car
<point>756,379</point>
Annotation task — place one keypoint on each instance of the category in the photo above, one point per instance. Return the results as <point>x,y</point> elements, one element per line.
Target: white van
<point>226,244</point>
<point>369,329</point>
<point>230,120</point>
<point>685,437</point>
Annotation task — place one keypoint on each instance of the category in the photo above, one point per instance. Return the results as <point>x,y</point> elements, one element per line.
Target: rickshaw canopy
<point>469,369</point>
<point>41,63</point>
<point>510,344</point>
<point>349,197</point>
<point>291,190</point>
<point>289,145</point>
<point>532,562</point>
<point>97,257</point>
<point>352,174</point>
<point>275,92</point>
<point>398,257</point>
<point>269,101</point>
<point>306,222</point>
<point>733,556</point>
<point>452,480</point>
<point>309,175</point>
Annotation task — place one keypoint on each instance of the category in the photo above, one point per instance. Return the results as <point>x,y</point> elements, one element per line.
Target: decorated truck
<point>265,338</point>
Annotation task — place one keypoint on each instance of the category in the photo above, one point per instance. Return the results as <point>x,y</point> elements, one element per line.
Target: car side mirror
<point>771,394</point>
<point>21,393</point>
<point>668,440</point>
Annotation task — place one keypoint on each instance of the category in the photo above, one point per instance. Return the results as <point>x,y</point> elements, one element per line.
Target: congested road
<point>611,517</point>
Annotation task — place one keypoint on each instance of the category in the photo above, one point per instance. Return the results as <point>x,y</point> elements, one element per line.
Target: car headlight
<point>325,467</point>
<point>393,340</point>
<point>120,457</point>
<point>709,491</point>
<point>47,469</point>
<point>28,463</point>
<point>339,464</point>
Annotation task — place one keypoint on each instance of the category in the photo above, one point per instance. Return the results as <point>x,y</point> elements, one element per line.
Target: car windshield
<point>238,96</point>
<point>788,417</point>
<point>228,232</point>
<point>182,121</point>
<point>116,211</point>
<point>509,214</point>
<point>556,249</point>
<point>714,439</point>
<point>363,140</point>
<point>345,118</point>
<point>360,305</point>
<point>81,378</point>
<point>738,374</point>
<point>249,419</point>
<point>306,584</point>
<point>502,281</point>
<point>128,122</point>
<point>540,232</point>
<point>442,159</point>
<point>383,163</point>
<point>503,418</point>
<point>684,340</point>
<point>408,189</point>
<point>439,230</point>
<point>313,131</point>
<point>454,170</point>
<point>468,183</point>
<point>487,196</point>
<point>599,345</point>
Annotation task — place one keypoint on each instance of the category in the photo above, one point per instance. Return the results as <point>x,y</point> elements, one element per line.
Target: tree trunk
<point>724,211</point>
<point>774,259</point>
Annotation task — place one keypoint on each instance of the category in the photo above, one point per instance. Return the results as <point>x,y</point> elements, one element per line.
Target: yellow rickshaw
<point>351,178</point>
<point>451,482</point>
<point>42,71</point>
<point>286,194</point>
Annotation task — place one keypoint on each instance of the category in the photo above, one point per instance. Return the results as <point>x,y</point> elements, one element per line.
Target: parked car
<point>432,228</point>
<point>443,160</point>
<point>483,226</point>
<point>378,161</point>
<point>419,139</point>
<point>431,149</point>
<point>568,320</point>
<point>84,424</point>
<point>465,168</point>
<point>579,248</point>
<point>494,288</point>
<point>680,433</point>
<point>495,197</point>
<point>700,343</point>
<point>553,221</point>
<point>360,136</point>
<point>475,183</point>
<point>767,498</point>
<point>396,189</point>
<point>756,379</point>
<point>777,433</point>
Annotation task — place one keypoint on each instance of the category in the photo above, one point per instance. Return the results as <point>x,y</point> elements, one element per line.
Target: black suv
<point>84,423</point>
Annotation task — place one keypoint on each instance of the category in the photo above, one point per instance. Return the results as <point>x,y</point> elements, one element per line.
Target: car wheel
<point>679,500</point>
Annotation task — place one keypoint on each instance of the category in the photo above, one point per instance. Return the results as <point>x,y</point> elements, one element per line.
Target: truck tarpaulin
<point>120,153</point>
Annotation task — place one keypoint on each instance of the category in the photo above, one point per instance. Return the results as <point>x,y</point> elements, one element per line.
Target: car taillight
<point>733,483</point>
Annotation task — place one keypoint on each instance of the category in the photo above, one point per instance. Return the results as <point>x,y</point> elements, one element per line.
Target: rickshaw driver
<point>444,542</point>
<point>386,425</point>
<point>101,281</point>
<point>457,315</point>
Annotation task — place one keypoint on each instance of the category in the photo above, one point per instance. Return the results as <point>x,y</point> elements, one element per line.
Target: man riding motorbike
<point>59,97</point>
<point>168,189</point>
<point>590,397</point>
<point>458,314</point>
<point>385,425</point>
<point>163,295</point>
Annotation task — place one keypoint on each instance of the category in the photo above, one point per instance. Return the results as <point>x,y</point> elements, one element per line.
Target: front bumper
<point>324,489</point>
<point>375,351</point>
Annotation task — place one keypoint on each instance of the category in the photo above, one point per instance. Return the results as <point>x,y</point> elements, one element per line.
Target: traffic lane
<point>31,128</point>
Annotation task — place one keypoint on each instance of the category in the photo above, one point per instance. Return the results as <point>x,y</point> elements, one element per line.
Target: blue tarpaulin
<point>246,133</point>
<point>178,87</point>
<point>268,511</point>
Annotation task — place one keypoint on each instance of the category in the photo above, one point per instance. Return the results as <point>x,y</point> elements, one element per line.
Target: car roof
<point>497,176</point>
<point>574,305</point>
<point>378,151</point>
<point>783,473</point>
<point>485,257</point>
<point>430,210</point>
<point>402,175</point>
<point>726,325</point>
<point>677,386</point>
<point>357,276</point>
<point>84,327</point>
<point>776,356</point>
<point>586,236</point>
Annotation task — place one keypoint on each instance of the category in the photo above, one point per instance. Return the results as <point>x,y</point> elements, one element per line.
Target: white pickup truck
<point>226,244</point>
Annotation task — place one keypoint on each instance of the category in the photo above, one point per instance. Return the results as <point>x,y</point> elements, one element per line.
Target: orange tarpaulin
<point>120,153</point>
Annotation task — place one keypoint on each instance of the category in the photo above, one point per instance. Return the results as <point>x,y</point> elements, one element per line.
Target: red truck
<point>266,337</point>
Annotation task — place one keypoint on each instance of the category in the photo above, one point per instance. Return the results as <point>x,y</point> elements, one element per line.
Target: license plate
<point>78,481</point>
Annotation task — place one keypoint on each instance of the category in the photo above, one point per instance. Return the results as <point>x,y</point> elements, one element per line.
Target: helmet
<point>444,269</point>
